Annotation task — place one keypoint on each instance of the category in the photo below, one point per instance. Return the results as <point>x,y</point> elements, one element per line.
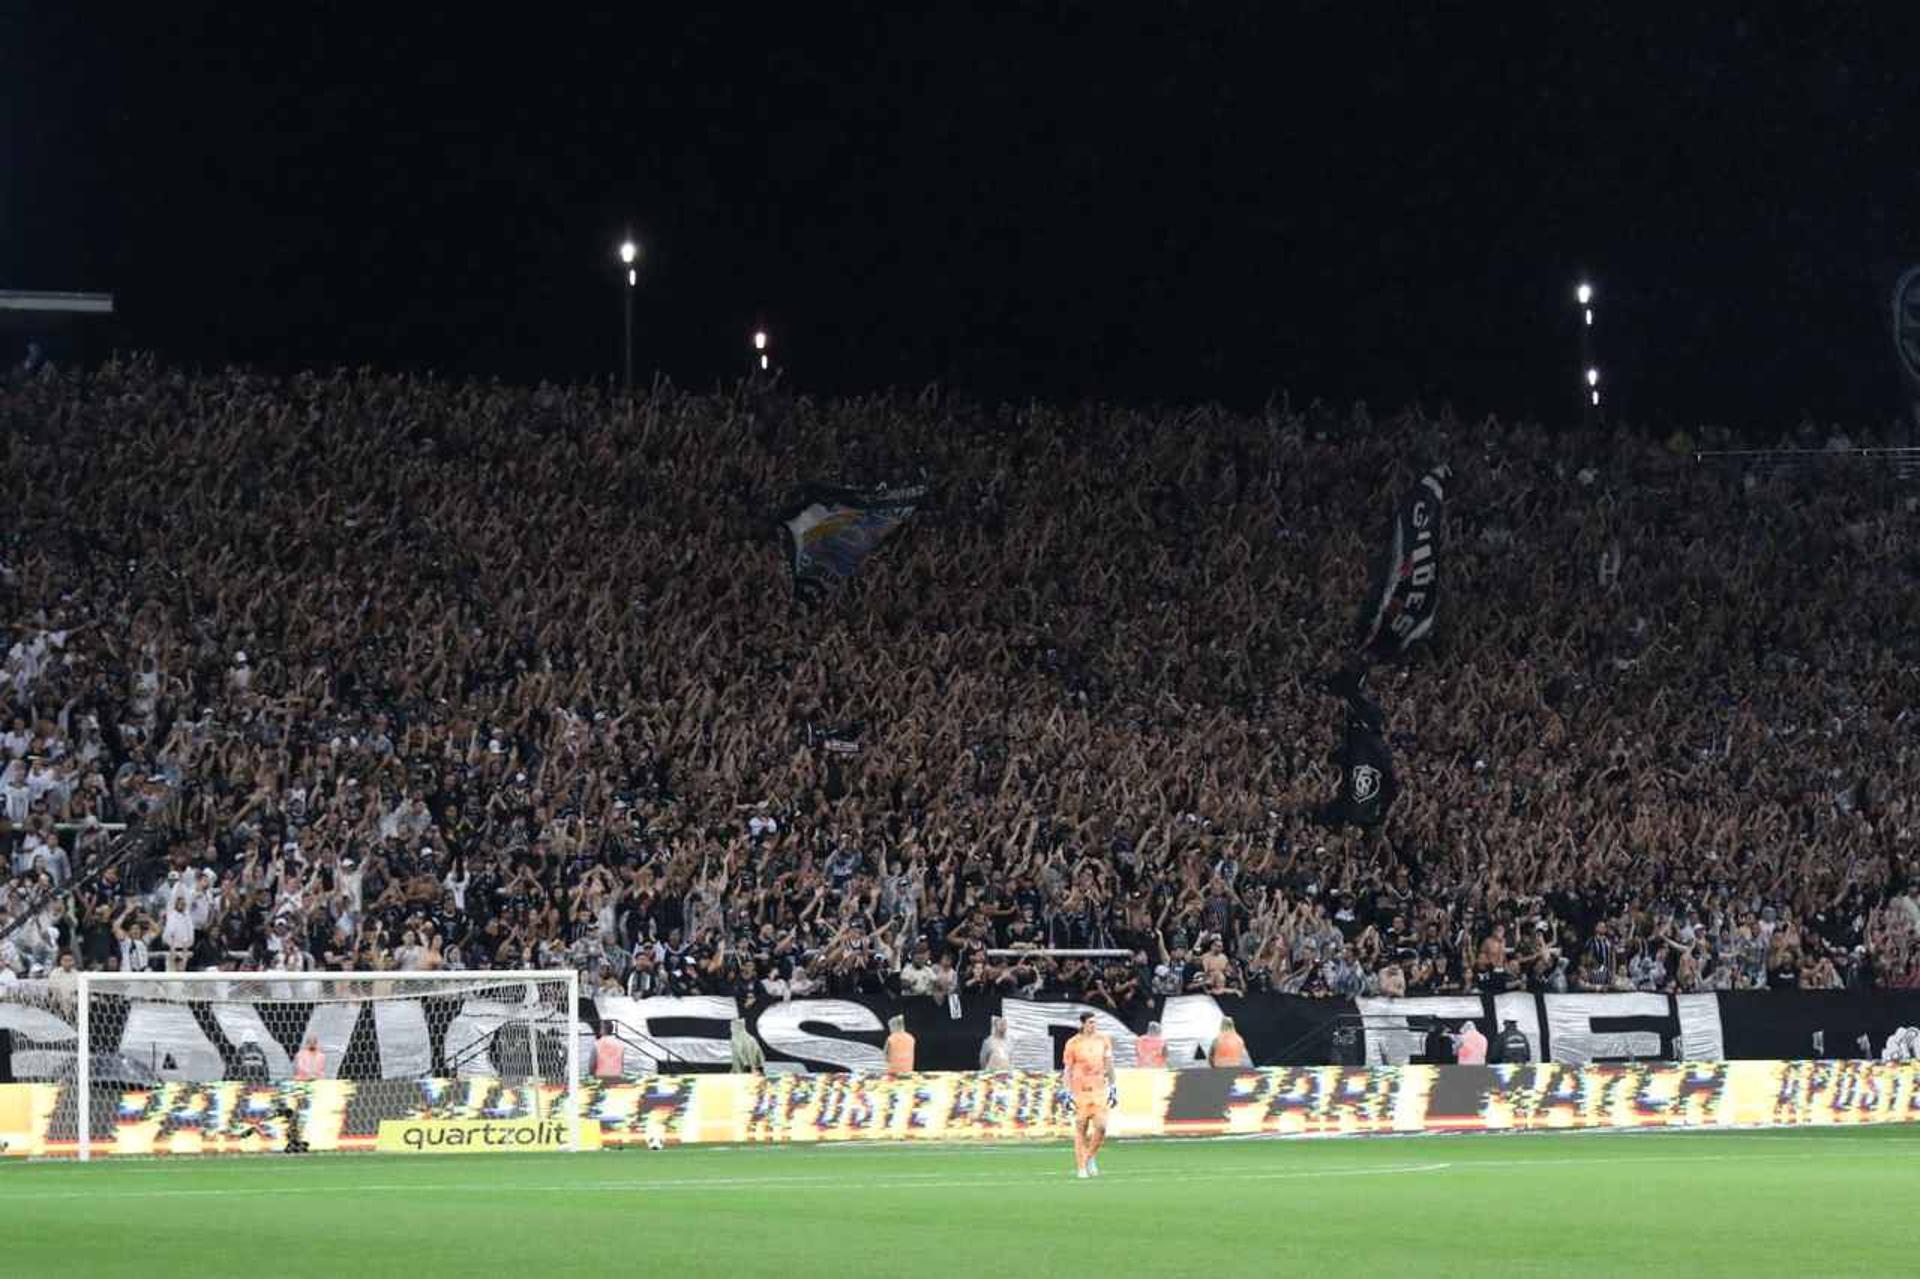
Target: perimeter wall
<point>489,1115</point>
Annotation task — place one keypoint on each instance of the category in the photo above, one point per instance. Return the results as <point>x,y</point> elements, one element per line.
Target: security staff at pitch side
<point>1512,1045</point>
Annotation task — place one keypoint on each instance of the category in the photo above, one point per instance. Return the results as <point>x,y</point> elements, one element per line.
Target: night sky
<point>1217,201</point>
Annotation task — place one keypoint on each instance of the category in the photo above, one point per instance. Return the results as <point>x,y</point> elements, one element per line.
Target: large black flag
<point>1400,608</point>
<point>1365,761</point>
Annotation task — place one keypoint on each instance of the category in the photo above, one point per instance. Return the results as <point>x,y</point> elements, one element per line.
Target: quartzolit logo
<point>476,1135</point>
<point>421,1137</point>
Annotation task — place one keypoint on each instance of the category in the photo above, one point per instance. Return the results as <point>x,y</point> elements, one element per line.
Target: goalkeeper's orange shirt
<point>1085,1059</point>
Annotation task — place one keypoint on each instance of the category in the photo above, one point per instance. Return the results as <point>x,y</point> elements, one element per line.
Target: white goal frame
<point>88,983</point>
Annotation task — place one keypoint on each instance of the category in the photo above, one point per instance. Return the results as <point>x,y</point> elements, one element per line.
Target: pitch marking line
<point>902,1182</point>
<point>1867,1137</point>
<point>1863,1137</point>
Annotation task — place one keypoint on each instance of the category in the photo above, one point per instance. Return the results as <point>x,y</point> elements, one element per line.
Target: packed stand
<point>404,674</point>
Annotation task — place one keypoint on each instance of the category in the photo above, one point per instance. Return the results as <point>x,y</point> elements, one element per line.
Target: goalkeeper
<point>1088,1064</point>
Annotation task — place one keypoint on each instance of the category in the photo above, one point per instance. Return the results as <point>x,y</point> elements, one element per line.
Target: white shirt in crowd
<point>205,900</point>
<point>347,879</point>
<point>14,792</point>
<point>42,778</point>
<point>35,940</point>
<point>175,884</point>
<point>133,955</point>
<point>27,658</point>
<point>293,959</point>
<point>1906,907</point>
<point>57,864</point>
<point>917,979</point>
<point>146,685</point>
<point>176,927</point>
<point>39,853</point>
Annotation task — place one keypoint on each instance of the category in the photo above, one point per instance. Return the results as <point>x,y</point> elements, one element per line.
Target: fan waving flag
<point>1400,608</point>
<point>1367,784</point>
<point>832,531</point>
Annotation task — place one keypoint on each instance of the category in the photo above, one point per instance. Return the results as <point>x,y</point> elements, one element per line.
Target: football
<point>655,1141</point>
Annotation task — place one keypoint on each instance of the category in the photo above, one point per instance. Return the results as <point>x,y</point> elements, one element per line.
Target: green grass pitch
<point>1832,1202</point>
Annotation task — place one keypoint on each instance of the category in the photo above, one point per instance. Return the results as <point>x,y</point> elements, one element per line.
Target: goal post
<point>139,1033</point>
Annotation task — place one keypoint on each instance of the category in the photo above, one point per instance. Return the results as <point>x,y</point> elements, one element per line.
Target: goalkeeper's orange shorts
<point>1091,1105</point>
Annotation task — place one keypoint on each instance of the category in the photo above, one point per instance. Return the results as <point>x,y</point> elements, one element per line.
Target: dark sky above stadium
<point>1178,201</point>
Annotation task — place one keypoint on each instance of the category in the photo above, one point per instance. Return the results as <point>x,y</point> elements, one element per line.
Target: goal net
<point>244,1061</point>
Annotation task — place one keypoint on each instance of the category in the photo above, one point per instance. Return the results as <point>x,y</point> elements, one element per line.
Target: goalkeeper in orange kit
<point>1088,1064</point>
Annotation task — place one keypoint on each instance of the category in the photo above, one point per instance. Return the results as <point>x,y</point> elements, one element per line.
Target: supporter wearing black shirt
<point>1027,896</point>
<point>743,983</point>
<point>1023,930</point>
<point>98,949</point>
<point>237,937</point>
<point>1002,912</point>
<point>484,944</point>
<point>668,915</point>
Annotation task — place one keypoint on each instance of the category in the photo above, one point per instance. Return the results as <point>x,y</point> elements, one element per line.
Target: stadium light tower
<point>1590,408</point>
<point>629,255</point>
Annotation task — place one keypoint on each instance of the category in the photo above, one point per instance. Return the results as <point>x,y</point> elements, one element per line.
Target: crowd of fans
<point>393,673</point>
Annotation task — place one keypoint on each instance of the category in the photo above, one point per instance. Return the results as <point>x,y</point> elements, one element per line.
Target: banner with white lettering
<point>451,1036</point>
